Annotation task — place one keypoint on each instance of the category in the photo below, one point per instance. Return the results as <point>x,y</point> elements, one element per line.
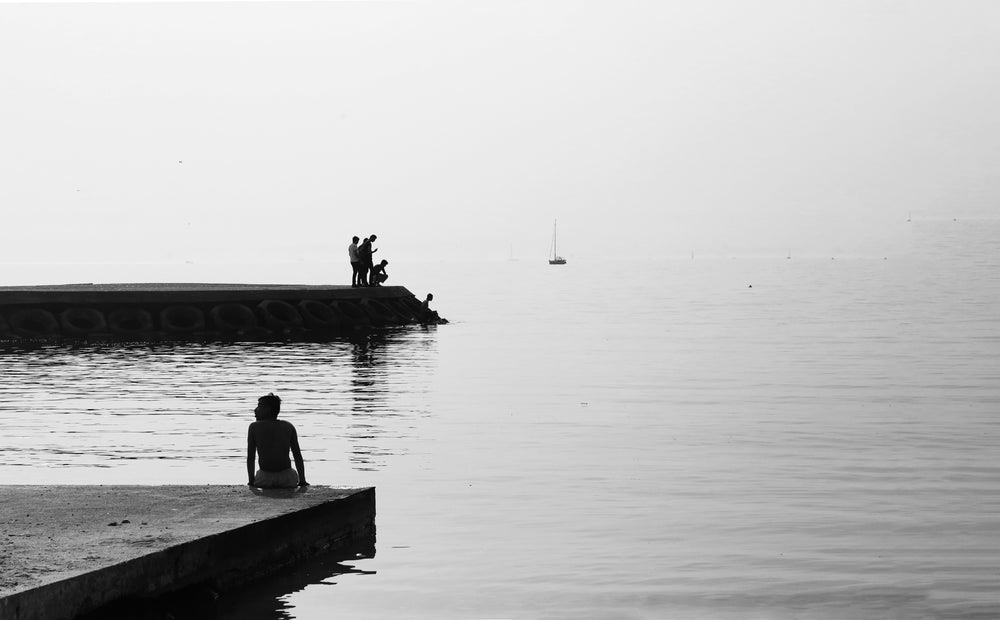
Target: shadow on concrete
<point>279,493</point>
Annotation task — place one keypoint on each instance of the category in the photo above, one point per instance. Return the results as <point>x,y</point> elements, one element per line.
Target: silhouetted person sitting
<point>426,314</point>
<point>378,273</point>
<point>270,439</point>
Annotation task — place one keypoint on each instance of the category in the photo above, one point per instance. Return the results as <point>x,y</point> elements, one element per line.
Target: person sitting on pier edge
<point>271,439</point>
<point>352,252</point>
<point>428,315</point>
<point>378,273</point>
<point>365,258</point>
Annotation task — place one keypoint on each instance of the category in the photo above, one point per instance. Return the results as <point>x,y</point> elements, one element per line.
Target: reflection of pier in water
<point>380,361</point>
<point>268,598</point>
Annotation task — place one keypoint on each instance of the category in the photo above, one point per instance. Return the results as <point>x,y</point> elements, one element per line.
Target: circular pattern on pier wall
<point>378,312</point>
<point>33,323</point>
<point>356,316</point>
<point>232,317</point>
<point>130,321</point>
<point>82,321</point>
<point>279,315</point>
<point>318,315</point>
<point>412,304</point>
<point>182,319</point>
<point>403,312</point>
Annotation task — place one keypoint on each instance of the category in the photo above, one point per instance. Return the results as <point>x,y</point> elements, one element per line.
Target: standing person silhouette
<point>372,276</point>
<point>271,439</point>
<point>352,253</point>
<point>365,260</point>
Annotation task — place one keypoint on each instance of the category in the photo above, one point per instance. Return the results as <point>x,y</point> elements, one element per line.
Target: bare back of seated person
<point>273,439</point>
<point>269,440</point>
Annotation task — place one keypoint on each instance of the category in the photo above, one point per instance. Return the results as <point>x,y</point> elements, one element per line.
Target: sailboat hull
<point>557,261</point>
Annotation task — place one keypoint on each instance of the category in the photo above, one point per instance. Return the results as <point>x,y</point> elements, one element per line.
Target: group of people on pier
<point>269,440</point>
<point>364,271</point>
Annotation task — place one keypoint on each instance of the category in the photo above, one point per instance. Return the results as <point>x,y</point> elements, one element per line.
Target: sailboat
<point>555,259</point>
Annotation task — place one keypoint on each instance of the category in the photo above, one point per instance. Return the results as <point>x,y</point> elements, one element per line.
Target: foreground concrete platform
<point>66,551</point>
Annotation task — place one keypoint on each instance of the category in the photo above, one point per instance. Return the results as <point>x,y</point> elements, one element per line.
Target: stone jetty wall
<point>245,312</point>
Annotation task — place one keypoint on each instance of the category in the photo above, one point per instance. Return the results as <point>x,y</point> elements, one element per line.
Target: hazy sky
<point>194,131</point>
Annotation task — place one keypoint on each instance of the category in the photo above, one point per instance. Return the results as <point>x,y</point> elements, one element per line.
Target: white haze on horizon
<point>245,131</point>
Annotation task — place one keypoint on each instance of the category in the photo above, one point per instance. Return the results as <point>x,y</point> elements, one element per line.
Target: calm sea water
<point>708,438</point>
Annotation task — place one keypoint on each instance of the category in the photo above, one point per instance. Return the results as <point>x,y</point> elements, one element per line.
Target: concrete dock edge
<point>278,529</point>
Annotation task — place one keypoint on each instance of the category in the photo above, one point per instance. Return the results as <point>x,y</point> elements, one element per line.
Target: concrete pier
<point>156,312</point>
<point>67,551</point>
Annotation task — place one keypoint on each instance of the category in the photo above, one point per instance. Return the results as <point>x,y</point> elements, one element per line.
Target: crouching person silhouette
<point>270,439</point>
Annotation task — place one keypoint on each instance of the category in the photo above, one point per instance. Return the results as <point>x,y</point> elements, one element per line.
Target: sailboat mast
<point>555,259</point>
